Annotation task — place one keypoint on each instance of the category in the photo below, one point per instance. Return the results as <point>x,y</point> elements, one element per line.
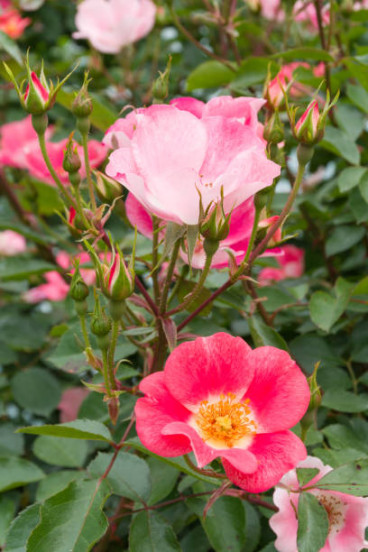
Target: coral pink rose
<point>15,139</point>
<point>11,22</point>
<point>36,165</point>
<point>11,243</point>
<point>111,24</point>
<point>347,514</point>
<point>291,263</point>
<point>220,399</point>
<point>70,403</point>
<point>170,155</point>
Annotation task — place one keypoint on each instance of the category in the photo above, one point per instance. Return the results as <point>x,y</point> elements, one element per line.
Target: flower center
<point>226,420</point>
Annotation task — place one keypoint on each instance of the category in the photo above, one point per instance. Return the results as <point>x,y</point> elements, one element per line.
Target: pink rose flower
<point>36,165</point>
<point>276,87</point>
<point>272,10</point>
<point>11,243</point>
<point>15,139</point>
<point>304,10</point>
<point>11,22</point>
<point>70,403</point>
<point>347,514</point>
<point>55,289</point>
<point>111,24</point>
<point>220,399</point>
<point>291,262</point>
<point>169,155</point>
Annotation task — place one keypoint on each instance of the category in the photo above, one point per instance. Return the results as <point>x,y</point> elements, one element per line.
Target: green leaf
<point>149,532</point>
<point>16,472</point>
<point>21,267</point>
<point>224,524</point>
<point>325,309</point>
<point>343,238</point>
<point>358,205</point>
<point>163,479</point>
<point>303,54</point>
<point>312,524</point>
<point>340,143</point>
<point>68,453</point>
<point>344,401</point>
<point>21,528</point>
<point>11,444</point>
<point>36,390</point>
<point>350,177</point>
<point>56,482</point>
<point>309,349</point>
<point>77,429</point>
<point>265,335</point>
<point>350,478</point>
<point>354,436</point>
<point>7,511</point>
<point>210,74</point>
<point>252,527</point>
<point>305,475</point>
<point>10,47</point>
<point>363,187</point>
<point>358,96</point>
<point>72,519</point>
<point>186,288</point>
<point>129,477</point>
<point>253,71</point>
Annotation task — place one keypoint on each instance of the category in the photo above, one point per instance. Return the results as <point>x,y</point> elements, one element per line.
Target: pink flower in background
<point>220,399</point>
<point>274,91</point>
<point>291,262</point>
<point>171,154</point>
<point>110,25</point>
<point>11,243</point>
<point>272,9</point>
<point>11,22</point>
<point>65,261</point>
<point>37,167</point>
<point>55,289</point>
<point>70,403</point>
<point>304,10</point>
<point>15,139</point>
<point>347,514</point>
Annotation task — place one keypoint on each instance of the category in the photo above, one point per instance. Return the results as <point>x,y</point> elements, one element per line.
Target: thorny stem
<point>152,305</point>
<point>106,371</point>
<point>210,473</point>
<point>82,319</point>
<point>114,339</point>
<point>170,272</point>
<point>156,289</point>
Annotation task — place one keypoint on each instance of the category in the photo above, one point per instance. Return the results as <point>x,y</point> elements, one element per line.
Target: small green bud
<point>82,106</point>
<point>78,288</point>
<point>216,225</point>
<point>107,188</point>
<point>160,87</point>
<point>71,161</point>
<point>101,325</point>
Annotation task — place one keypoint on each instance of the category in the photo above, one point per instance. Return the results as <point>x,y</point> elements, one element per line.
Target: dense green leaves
<point>21,528</point>
<point>68,453</point>
<point>36,390</point>
<point>16,472</point>
<point>150,532</point>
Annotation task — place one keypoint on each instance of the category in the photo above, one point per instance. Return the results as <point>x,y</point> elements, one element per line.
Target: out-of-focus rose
<point>305,11</point>
<point>11,22</point>
<point>36,165</point>
<point>111,24</point>
<point>15,139</point>
<point>70,403</point>
<point>291,263</point>
<point>274,91</point>
<point>11,243</point>
<point>347,514</point>
<point>169,156</point>
<point>270,9</point>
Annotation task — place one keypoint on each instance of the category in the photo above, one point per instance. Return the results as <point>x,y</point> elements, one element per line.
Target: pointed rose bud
<point>36,99</point>
<point>101,325</point>
<point>71,161</point>
<point>107,188</point>
<point>308,128</point>
<point>118,279</point>
<point>264,226</point>
<point>160,88</point>
<point>78,288</point>
<point>82,105</point>
<point>274,129</point>
<point>215,225</point>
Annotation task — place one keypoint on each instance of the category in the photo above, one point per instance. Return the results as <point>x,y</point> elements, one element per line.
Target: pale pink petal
<point>276,454</point>
<point>192,105</point>
<point>284,523</point>
<point>207,367</point>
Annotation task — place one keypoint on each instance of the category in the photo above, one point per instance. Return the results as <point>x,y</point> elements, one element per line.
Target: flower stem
<point>114,339</point>
<point>88,171</point>
<point>106,372</point>
<point>82,319</point>
<point>210,473</point>
<point>170,272</point>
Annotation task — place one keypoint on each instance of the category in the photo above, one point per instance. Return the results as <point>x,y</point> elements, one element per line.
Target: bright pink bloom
<point>55,289</point>
<point>70,403</point>
<point>172,154</point>
<point>319,70</point>
<point>37,166</point>
<point>15,139</point>
<point>11,22</point>
<point>111,24</point>
<point>304,10</point>
<point>347,514</point>
<point>11,243</point>
<point>306,129</point>
<point>291,262</point>
<point>220,399</point>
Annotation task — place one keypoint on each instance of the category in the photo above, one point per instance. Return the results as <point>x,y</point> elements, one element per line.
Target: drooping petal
<point>276,454</point>
<point>279,393</point>
<point>154,412</point>
<point>138,216</point>
<point>208,367</point>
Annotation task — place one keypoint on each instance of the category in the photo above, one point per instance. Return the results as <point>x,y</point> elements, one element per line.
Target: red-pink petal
<point>276,453</point>
<point>208,366</point>
<point>279,393</point>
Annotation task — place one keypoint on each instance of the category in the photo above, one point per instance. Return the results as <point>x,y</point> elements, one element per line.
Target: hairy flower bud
<point>107,188</point>
<point>71,161</point>
<point>78,288</point>
<point>216,225</point>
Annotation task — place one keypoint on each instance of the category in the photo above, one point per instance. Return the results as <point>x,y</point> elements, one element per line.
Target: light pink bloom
<point>65,261</point>
<point>11,243</point>
<point>274,92</point>
<point>111,24</point>
<point>304,10</point>
<point>55,289</point>
<point>15,139</point>
<point>220,399</point>
<point>347,514</point>
<point>291,262</point>
<point>171,154</point>
<point>37,167</point>
<point>272,10</point>
<point>70,403</point>
<point>11,22</point>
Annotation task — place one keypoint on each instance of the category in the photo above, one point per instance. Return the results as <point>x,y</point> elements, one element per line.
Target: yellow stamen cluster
<point>227,420</point>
